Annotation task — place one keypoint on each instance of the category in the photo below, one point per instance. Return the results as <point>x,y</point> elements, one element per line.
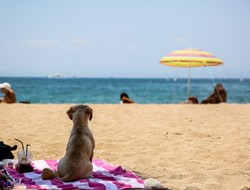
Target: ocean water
<point>107,90</point>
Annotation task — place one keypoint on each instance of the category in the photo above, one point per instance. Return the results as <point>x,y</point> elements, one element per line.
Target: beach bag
<point>5,151</point>
<point>6,181</point>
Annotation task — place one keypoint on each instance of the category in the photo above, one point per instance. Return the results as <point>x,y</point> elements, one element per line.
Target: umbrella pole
<point>188,85</point>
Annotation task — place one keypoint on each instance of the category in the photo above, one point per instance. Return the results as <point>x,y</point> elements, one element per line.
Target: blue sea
<point>107,90</point>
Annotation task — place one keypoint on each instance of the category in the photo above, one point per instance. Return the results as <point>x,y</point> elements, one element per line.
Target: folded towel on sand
<point>106,176</point>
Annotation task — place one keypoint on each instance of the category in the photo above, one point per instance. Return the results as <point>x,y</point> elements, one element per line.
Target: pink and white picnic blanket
<point>106,176</point>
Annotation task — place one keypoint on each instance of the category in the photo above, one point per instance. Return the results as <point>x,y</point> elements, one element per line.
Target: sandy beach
<point>200,146</point>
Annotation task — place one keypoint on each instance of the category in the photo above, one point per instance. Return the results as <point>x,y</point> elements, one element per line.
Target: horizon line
<point>81,77</point>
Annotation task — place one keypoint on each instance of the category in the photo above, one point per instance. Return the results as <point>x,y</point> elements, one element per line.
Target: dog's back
<point>81,144</point>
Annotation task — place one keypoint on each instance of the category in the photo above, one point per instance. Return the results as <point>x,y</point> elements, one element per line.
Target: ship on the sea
<point>55,76</point>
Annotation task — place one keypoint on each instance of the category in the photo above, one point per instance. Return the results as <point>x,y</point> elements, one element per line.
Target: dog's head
<point>80,108</point>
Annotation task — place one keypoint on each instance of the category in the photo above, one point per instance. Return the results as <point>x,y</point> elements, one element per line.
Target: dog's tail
<point>66,178</point>
<point>49,174</point>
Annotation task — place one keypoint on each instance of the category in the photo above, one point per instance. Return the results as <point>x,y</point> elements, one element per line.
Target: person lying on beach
<point>219,95</point>
<point>10,96</point>
<point>190,100</point>
<point>124,99</point>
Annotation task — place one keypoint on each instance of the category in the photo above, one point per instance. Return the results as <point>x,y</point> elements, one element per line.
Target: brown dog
<point>77,162</point>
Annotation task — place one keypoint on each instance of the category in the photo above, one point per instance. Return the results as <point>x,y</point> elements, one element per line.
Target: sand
<point>200,146</point>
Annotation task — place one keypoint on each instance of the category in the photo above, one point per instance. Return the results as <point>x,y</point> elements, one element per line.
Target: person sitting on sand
<point>219,95</point>
<point>10,96</point>
<point>124,99</point>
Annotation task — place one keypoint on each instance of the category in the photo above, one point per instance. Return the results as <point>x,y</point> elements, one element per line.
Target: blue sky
<point>122,38</point>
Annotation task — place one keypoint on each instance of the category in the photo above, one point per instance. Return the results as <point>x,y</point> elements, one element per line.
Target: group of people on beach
<point>219,95</point>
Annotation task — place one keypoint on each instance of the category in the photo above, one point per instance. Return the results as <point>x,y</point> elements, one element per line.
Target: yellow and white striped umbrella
<point>190,58</point>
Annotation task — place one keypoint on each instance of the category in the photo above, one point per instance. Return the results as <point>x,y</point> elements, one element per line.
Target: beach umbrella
<point>188,58</point>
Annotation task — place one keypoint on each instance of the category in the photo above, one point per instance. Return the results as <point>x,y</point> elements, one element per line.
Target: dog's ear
<point>90,112</point>
<point>70,112</point>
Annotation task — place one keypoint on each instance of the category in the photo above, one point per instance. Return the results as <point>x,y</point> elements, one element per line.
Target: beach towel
<point>106,176</point>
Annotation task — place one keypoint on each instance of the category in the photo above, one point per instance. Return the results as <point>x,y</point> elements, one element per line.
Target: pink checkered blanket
<point>106,176</point>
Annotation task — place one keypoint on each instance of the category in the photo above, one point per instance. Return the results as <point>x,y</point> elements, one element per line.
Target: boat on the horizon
<point>55,76</point>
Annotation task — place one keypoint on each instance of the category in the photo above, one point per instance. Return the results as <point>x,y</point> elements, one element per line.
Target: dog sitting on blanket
<point>77,162</point>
